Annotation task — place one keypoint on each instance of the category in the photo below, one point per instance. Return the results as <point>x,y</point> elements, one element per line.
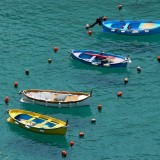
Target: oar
<point>99,21</point>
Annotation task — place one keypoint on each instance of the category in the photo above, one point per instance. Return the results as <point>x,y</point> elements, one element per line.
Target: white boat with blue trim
<point>52,98</point>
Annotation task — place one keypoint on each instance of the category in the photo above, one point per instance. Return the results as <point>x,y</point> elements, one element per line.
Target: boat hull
<point>77,55</point>
<point>129,27</point>
<point>61,130</point>
<point>56,105</point>
<point>59,104</point>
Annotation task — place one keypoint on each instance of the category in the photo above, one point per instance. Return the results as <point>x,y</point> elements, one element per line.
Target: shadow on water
<point>55,140</point>
<point>116,37</point>
<point>83,111</point>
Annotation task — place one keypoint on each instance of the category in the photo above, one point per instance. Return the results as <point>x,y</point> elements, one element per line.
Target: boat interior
<point>35,121</point>
<point>100,57</point>
<point>134,25</point>
<point>55,97</point>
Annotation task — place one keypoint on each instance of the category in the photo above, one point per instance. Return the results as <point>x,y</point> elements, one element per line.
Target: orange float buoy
<point>27,72</point>
<point>99,107</point>
<point>93,120</point>
<point>6,99</point>
<point>15,84</point>
<point>139,69</point>
<point>71,143</point>
<point>120,7</point>
<point>81,134</point>
<point>119,94</point>
<point>55,49</point>
<point>90,32</point>
<point>158,58</point>
<point>125,80</point>
<point>64,153</point>
<point>104,18</point>
<point>49,60</point>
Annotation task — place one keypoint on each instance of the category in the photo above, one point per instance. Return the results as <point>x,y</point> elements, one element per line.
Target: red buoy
<point>90,32</point>
<point>64,153</point>
<point>139,69</point>
<point>125,80</point>
<point>6,99</point>
<point>81,134</point>
<point>158,58</point>
<point>120,7</point>
<point>27,72</point>
<point>104,18</point>
<point>15,84</point>
<point>119,94</point>
<point>55,49</point>
<point>99,107</point>
<point>71,143</point>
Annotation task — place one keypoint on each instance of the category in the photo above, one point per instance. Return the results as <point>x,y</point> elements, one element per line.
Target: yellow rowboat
<point>36,122</point>
<point>54,98</point>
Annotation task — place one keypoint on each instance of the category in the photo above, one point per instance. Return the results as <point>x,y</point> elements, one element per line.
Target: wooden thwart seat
<point>71,98</point>
<point>53,97</point>
<point>147,25</point>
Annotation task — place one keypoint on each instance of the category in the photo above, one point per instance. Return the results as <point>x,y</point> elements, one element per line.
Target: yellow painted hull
<point>59,127</point>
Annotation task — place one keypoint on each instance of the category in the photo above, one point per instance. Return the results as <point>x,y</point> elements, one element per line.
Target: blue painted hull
<point>129,27</point>
<point>98,59</point>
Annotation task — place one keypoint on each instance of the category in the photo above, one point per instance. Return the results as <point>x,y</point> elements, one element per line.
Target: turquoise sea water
<point>127,128</point>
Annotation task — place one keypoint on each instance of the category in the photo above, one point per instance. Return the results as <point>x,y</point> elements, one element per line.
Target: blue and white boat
<point>99,59</point>
<point>131,27</point>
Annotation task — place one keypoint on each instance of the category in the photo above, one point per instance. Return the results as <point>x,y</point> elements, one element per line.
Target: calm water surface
<point>127,128</point>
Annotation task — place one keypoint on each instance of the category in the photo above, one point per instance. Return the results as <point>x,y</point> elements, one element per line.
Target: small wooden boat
<point>131,27</point>
<point>54,98</point>
<point>37,122</point>
<point>100,59</point>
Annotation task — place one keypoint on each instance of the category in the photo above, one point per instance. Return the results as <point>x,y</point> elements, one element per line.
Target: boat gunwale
<point>37,115</point>
<point>57,102</point>
<point>72,51</point>
<point>131,21</point>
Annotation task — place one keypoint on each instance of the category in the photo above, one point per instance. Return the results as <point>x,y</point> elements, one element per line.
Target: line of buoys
<point>158,58</point>
<point>119,94</point>
<point>55,49</point>
<point>27,71</point>
<point>90,32</point>
<point>6,99</point>
<point>71,143</point>
<point>15,84</point>
<point>49,60</point>
<point>99,107</point>
<point>125,80</point>
<point>81,134</point>
<point>64,153</point>
<point>139,69</point>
